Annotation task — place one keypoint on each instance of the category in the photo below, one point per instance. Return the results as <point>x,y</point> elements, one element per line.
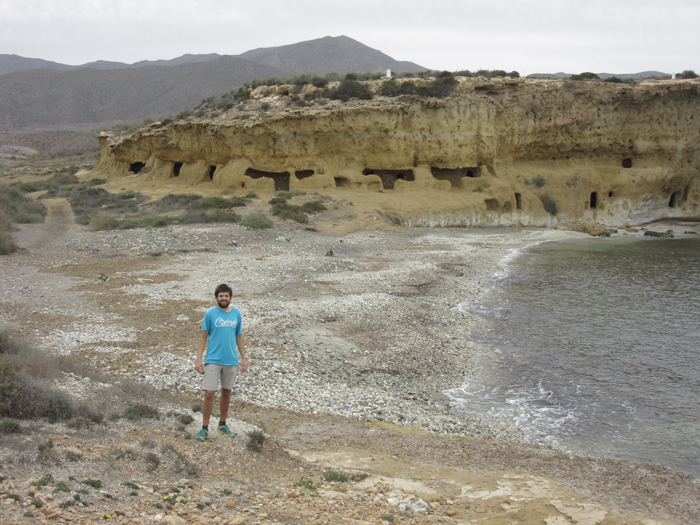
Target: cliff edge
<point>496,151</point>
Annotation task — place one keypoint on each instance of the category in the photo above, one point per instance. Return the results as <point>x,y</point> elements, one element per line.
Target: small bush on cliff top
<point>587,76</point>
<point>391,88</point>
<point>439,88</point>
<point>688,73</point>
<point>348,89</point>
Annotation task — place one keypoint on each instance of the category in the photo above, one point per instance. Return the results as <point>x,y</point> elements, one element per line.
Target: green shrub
<point>350,89</point>
<point>9,426</point>
<point>251,196</point>
<point>25,376</point>
<point>94,483</point>
<point>174,202</point>
<point>337,475</point>
<point>102,221</point>
<point>59,407</point>
<point>157,222</point>
<point>289,211</point>
<point>277,200</point>
<point>140,410</point>
<point>7,243</point>
<point>257,221</point>
<point>86,200</point>
<point>19,208</point>
<point>550,204</point>
<point>688,73</point>
<point>319,82</point>
<point>243,93</point>
<point>390,88</point>
<point>238,202</point>
<point>61,487</point>
<point>438,88</point>
<point>587,76</point>
<point>45,481</point>
<point>306,483</point>
<point>208,216</point>
<point>539,181</point>
<point>209,203</point>
<point>185,419</point>
<point>313,207</point>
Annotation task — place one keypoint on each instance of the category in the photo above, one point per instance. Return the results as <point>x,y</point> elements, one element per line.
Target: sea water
<point>594,345</point>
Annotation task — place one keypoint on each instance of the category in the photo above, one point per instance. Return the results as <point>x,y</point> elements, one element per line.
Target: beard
<point>223,303</point>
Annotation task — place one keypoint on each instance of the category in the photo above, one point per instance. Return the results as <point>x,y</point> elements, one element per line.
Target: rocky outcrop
<point>499,151</point>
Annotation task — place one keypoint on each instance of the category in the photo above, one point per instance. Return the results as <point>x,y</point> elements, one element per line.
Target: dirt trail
<point>59,223</point>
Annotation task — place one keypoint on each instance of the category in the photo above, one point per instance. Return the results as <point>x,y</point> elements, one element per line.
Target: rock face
<point>497,151</point>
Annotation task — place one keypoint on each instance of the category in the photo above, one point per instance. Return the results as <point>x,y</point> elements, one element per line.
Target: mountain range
<point>36,93</point>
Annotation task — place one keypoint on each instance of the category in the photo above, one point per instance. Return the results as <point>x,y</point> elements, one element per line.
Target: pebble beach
<point>352,339</point>
<point>365,325</point>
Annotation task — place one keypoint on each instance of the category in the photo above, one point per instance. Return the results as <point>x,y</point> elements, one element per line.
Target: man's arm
<point>240,343</point>
<point>203,337</point>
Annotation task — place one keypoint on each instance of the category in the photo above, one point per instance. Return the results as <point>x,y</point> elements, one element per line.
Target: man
<point>221,328</point>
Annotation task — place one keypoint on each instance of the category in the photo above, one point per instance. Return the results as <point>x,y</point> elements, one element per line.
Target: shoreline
<point>624,427</point>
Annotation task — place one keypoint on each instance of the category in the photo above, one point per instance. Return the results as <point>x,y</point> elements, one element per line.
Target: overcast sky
<point>611,36</point>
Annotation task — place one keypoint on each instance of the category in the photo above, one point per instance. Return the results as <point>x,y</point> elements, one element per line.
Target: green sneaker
<point>203,435</point>
<point>226,431</point>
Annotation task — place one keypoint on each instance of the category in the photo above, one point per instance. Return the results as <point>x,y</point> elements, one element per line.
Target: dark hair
<point>223,288</point>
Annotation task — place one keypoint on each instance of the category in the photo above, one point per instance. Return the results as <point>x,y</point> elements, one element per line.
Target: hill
<point>638,76</point>
<point>11,63</point>
<point>324,55</point>
<point>40,97</point>
<point>37,93</point>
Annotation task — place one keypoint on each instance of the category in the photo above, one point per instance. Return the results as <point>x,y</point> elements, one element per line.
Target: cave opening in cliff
<point>491,204</point>
<point>136,167</point>
<point>389,177</point>
<point>610,194</point>
<point>518,202</point>
<point>341,182</point>
<point>454,175</point>
<point>281,178</point>
<point>212,170</point>
<point>674,200</point>
<point>176,169</point>
<point>303,174</point>
<point>626,163</point>
<point>593,202</point>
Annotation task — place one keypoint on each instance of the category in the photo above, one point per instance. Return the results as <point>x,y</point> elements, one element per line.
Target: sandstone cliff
<point>494,152</point>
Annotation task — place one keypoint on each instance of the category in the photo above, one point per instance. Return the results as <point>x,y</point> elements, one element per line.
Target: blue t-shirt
<point>223,327</point>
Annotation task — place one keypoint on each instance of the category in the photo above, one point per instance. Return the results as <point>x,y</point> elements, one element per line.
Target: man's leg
<point>225,400</point>
<point>223,405</point>
<point>208,406</point>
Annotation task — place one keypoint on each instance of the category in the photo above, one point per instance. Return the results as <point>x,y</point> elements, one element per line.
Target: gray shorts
<point>213,373</point>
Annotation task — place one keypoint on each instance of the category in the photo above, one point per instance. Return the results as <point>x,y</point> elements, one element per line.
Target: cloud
<point>549,35</point>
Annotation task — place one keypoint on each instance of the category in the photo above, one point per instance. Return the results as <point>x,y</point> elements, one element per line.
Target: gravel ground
<point>347,336</point>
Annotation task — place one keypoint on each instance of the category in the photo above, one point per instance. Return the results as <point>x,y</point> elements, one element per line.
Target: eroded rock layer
<point>500,151</point>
